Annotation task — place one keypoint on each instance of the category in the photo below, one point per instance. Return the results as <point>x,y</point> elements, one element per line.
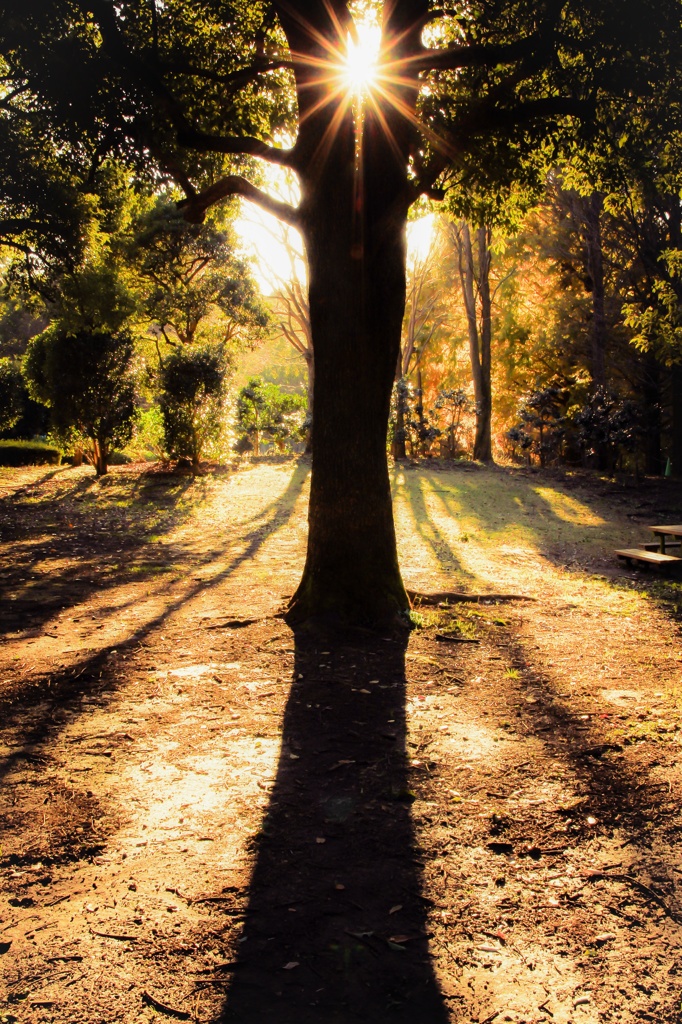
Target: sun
<point>360,65</point>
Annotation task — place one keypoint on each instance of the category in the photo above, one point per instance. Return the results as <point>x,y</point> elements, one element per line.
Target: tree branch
<point>194,139</point>
<point>452,58</point>
<point>195,207</point>
<point>242,76</point>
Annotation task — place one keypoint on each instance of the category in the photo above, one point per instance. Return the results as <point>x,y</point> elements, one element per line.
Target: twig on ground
<point>595,876</point>
<point>170,1011</point>
<point>455,597</point>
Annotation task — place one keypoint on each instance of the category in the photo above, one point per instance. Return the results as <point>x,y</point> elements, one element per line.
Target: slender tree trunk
<point>100,457</point>
<point>593,210</point>
<point>483,449</point>
<point>399,449</point>
<point>479,347</point>
<point>420,412</point>
<point>675,236</point>
<point>676,426</point>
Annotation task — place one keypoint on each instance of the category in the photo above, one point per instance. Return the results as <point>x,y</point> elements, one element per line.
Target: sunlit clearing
<point>569,509</point>
<point>420,238</point>
<point>360,66</point>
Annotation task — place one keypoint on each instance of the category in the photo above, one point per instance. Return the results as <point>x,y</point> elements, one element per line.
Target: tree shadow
<point>90,532</point>
<point>35,705</point>
<point>107,549</point>
<point>335,930</point>
<point>428,531</point>
<point>567,520</point>
<point>618,796</point>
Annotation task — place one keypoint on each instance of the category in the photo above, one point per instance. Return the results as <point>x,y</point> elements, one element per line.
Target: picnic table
<point>649,555</point>
<point>674,531</point>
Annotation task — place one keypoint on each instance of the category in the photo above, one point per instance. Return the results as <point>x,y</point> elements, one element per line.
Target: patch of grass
<point>512,673</point>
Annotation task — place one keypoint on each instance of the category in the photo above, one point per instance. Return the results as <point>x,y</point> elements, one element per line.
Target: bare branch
<point>192,138</point>
<point>195,207</point>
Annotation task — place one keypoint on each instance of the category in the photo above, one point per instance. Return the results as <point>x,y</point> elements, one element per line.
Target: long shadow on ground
<point>35,706</point>
<point>335,928</point>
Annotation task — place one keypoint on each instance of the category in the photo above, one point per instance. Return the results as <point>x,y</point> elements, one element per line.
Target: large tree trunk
<point>354,215</point>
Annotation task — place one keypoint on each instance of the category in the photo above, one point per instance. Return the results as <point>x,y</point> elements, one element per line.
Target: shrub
<point>28,453</point>
<point>193,383</point>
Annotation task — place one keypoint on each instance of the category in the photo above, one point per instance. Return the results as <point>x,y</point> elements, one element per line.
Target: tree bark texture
<point>353,217</point>
<point>356,295</point>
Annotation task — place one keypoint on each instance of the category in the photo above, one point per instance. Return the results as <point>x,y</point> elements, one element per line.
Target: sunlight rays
<point>360,66</point>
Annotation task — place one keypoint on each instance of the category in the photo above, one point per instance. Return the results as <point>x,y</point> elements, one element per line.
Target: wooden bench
<point>630,555</point>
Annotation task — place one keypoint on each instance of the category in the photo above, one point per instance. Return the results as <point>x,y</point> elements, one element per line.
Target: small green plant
<point>512,673</point>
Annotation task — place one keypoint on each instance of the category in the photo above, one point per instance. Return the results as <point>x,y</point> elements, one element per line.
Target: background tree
<point>265,410</point>
<point>426,315</point>
<point>196,289</point>
<point>474,276</point>
<point>291,313</point>
<point>87,380</point>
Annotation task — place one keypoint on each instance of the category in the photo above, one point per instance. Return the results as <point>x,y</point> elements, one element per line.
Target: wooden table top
<point>673,531</point>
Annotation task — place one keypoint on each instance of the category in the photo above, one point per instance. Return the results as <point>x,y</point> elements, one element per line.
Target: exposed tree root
<point>450,639</point>
<point>417,598</point>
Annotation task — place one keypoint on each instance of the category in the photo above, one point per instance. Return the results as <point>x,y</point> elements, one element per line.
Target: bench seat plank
<point>641,555</point>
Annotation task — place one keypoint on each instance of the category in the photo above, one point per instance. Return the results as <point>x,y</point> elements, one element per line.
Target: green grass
<point>29,453</point>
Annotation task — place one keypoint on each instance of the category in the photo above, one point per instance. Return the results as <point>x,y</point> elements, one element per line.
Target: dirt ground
<point>206,818</point>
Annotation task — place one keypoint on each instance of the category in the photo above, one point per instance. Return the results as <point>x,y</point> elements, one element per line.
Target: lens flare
<point>360,66</point>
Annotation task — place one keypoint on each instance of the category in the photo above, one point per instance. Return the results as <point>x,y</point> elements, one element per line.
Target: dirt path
<point>205,819</point>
